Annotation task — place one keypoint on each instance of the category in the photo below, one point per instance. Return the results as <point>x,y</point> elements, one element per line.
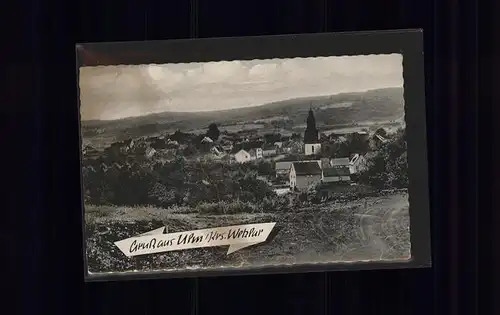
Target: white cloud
<point>120,91</point>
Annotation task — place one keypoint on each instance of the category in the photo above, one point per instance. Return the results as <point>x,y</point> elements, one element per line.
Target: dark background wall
<point>41,138</point>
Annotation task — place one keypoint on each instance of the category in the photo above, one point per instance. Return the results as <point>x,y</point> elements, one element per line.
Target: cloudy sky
<point>114,92</point>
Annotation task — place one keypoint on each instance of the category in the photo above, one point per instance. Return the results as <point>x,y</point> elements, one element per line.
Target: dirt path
<point>378,219</point>
<point>372,246</point>
<point>376,223</point>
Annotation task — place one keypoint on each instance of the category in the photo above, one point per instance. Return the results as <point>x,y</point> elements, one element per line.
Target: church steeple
<point>311,133</point>
<point>311,120</point>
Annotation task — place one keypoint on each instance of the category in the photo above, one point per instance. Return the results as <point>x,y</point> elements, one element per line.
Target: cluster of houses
<point>255,151</point>
<point>303,175</point>
<point>146,147</point>
<point>298,174</point>
<point>135,147</point>
<point>311,145</point>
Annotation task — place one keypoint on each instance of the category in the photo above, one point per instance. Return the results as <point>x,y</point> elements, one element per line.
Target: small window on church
<point>312,149</point>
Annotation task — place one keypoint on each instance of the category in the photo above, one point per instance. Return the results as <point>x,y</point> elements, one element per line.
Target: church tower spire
<point>311,133</point>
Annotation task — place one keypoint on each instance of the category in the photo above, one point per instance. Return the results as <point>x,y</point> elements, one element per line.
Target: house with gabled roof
<point>357,164</point>
<point>342,167</point>
<point>150,152</point>
<point>282,168</point>
<point>242,156</point>
<point>363,135</point>
<point>217,150</point>
<point>88,149</point>
<point>256,153</point>
<point>305,174</point>
<point>269,150</point>
<point>227,147</point>
<point>336,175</point>
<point>376,141</point>
<point>207,140</point>
<point>128,144</point>
<point>340,162</point>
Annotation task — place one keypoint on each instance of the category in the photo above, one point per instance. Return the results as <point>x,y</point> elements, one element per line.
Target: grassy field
<point>371,228</point>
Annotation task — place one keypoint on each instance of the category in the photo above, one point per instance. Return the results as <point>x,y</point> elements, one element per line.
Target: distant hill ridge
<point>372,105</point>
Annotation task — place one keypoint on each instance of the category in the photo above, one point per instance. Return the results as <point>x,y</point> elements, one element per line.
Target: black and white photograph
<point>244,163</point>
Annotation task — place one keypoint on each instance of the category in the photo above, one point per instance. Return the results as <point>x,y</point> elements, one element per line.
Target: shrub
<point>225,207</point>
<point>397,171</point>
<point>265,168</point>
<point>178,182</point>
<point>388,167</point>
<point>277,204</point>
<point>160,195</point>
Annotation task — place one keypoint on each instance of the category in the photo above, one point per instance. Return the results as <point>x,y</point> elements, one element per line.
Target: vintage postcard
<point>245,164</point>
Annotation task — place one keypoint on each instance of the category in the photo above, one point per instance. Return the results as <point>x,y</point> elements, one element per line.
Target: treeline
<point>180,182</point>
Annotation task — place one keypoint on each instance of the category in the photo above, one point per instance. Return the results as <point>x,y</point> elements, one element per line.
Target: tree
<point>397,144</point>
<point>357,144</point>
<point>342,150</point>
<point>272,137</point>
<point>398,172</point>
<point>265,168</point>
<point>180,137</point>
<point>328,149</point>
<point>190,150</point>
<point>323,137</point>
<point>213,132</point>
<point>376,174</point>
<point>388,168</point>
<point>296,137</point>
<point>159,144</point>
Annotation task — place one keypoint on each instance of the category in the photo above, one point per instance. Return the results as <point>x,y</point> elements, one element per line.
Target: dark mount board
<point>162,199</point>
